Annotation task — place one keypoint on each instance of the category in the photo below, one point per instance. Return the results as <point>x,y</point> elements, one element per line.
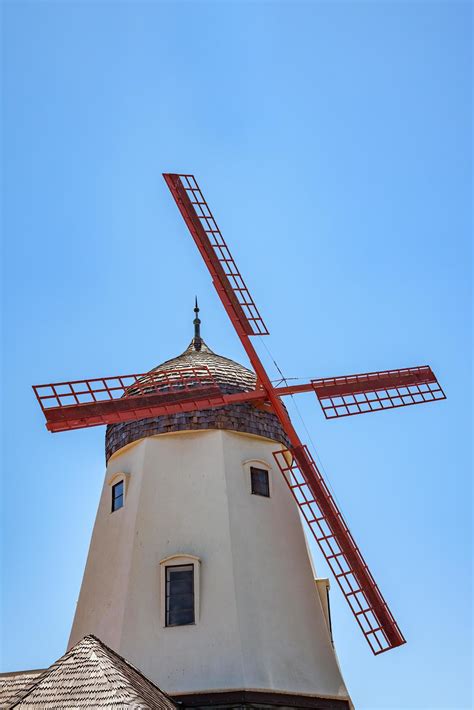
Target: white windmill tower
<point>198,571</point>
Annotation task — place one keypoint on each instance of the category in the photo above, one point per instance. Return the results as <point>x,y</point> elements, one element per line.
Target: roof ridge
<point>120,693</point>
<point>107,651</point>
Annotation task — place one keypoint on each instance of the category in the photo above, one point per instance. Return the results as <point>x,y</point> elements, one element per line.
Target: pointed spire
<point>197,342</point>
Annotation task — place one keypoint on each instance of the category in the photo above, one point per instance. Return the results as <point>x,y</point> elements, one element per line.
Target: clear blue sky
<point>333,143</point>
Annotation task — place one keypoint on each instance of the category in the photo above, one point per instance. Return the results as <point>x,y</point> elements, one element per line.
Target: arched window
<point>180,582</point>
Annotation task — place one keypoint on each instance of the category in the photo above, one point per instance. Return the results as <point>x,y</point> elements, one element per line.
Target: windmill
<point>124,398</point>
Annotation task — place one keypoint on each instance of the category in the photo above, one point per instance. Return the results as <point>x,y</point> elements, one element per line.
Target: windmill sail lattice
<point>345,560</point>
<point>109,400</point>
<point>373,391</point>
<point>215,252</point>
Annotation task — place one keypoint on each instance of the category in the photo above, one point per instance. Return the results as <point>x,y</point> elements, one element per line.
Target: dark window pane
<point>177,574</point>
<point>260,482</point>
<point>181,601</point>
<point>117,496</point>
<point>182,586</point>
<point>180,595</point>
<point>180,618</point>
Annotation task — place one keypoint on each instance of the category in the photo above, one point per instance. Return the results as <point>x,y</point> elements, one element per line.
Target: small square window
<point>180,595</point>
<point>260,482</point>
<point>117,496</point>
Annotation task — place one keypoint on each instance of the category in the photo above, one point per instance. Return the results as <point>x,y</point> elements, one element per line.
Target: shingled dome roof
<point>229,375</point>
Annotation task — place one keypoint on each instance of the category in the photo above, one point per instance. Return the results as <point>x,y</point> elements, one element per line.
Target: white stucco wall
<point>261,625</point>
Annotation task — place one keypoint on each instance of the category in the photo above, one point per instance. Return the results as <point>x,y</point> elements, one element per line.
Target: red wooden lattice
<point>107,400</point>
<point>207,235</point>
<point>340,550</point>
<point>374,391</point>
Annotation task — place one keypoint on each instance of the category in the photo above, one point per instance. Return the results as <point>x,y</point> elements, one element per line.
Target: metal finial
<point>197,342</point>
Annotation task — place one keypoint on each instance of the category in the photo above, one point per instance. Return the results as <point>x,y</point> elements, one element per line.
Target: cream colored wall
<point>101,605</point>
<point>261,624</point>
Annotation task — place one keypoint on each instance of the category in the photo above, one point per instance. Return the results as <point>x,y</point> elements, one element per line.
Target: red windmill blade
<point>326,523</point>
<point>108,400</point>
<point>339,548</point>
<point>92,402</point>
<point>229,284</point>
<point>375,391</point>
<point>121,398</point>
<point>371,391</point>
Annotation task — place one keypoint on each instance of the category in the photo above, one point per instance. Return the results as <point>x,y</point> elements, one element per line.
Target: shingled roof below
<point>11,684</point>
<point>91,675</point>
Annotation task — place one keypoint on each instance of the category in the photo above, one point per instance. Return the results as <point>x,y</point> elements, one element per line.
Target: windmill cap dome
<point>229,375</point>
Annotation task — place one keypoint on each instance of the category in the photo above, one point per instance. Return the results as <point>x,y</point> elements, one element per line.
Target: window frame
<point>113,479</point>
<point>121,496</point>
<point>168,595</point>
<point>179,560</point>
<point>253,489</point>
<point>258,463</point>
